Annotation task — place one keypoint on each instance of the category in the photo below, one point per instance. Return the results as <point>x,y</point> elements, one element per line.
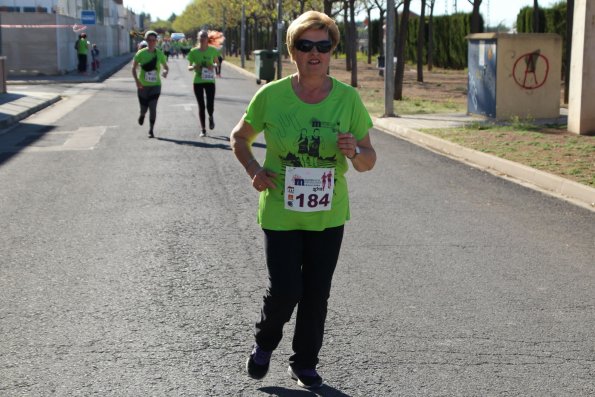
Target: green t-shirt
<point>82,47</point>
<point>299,134</point>
<point>203,59</point>
<point>144,56</point>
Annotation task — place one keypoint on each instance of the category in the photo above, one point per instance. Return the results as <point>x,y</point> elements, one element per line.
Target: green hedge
<point>450,45</point>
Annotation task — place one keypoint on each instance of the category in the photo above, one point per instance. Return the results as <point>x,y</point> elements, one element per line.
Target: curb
<point>25,110</point>
<point>544,182</point>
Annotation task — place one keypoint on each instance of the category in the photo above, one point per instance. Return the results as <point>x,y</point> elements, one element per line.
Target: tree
<point>369,7</point>
<point>161,26</point>
<point>352,45</point>
<point>535,16</point>
<point>420,42</point>
<point>475,17</point>
<point>431,36</point>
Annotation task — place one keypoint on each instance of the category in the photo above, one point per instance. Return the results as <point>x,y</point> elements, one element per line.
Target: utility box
<point>514,75</point>
<point>264,65</point>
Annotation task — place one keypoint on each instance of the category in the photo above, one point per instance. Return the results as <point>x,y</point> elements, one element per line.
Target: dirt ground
<point>439,85</point>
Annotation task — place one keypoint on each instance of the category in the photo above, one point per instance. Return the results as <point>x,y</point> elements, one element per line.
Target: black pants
<point>199,92</point>
<point>82,66</point>
<point>300,267</point>
<point>147,99</point>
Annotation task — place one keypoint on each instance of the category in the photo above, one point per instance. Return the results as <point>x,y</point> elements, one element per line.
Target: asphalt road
<point>134,267</point>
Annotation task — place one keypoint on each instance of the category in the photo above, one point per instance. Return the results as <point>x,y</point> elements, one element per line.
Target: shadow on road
<point>16,141</point>
<point>205,144</point>
<point>324,391</point>
<point>196,143</point>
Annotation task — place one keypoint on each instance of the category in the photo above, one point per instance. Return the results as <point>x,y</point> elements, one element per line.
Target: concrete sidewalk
<point>15,106</point>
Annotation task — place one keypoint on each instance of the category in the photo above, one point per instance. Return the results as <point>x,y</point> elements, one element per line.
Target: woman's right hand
<point>263,180</point>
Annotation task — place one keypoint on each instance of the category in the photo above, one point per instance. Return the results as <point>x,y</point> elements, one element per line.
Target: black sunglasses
<point>323,46</point>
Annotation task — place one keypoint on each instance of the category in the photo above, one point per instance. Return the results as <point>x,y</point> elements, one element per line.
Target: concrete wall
<point>529,75</point>
<point>46,50</point>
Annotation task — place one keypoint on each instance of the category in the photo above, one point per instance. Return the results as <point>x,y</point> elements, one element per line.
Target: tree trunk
<point>353,43</point>
<point>535,16</point>
<point>328,7</point>
<point>369,35</point>
<point>431,37</point>
<point>400,70</point>
<point>421,42</point>
<point>347,34</point>
<point>475,17</point>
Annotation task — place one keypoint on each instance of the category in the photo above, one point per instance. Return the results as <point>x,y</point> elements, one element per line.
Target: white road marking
<point>189,107</point>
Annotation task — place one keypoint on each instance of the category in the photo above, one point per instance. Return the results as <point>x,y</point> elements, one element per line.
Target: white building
<point>38,36</point>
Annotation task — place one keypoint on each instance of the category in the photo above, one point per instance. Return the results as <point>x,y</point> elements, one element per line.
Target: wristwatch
<point>357,151</point>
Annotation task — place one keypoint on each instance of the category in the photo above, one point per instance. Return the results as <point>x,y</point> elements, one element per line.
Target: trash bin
<point>264,65</point>
<point>514,75</point>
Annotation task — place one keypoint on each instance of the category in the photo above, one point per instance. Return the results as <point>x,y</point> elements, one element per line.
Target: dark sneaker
<point>203,133</point>
<point>151,134</point>
<point>141,119</point>
<point>306,378</point>
<point>257,365</point>
<point>211,123</point>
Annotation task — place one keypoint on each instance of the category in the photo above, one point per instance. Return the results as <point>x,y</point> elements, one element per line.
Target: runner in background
<point>202,60</point>
<point>148,82</point>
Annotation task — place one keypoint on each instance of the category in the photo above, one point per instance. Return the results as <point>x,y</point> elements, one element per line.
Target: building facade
<point>37,36</point>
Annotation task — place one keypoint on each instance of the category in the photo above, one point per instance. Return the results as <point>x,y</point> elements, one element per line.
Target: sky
<point>493,11</point>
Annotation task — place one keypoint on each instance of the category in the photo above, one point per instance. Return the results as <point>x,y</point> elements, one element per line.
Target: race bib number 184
<point>309,189</point>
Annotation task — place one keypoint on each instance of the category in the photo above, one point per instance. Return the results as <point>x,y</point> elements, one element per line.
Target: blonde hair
<point>216,38</point>
<point>311,20</point>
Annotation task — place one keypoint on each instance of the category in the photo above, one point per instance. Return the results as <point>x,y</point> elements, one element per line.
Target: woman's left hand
<point>346,143</point>
<point>365,158</point>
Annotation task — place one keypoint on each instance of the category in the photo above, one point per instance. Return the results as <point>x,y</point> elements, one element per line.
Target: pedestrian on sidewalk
<point>312,124</point>
<point>202,60</point>
<point>148,82</point>
<point>82,50</point>
<point>95,58</point>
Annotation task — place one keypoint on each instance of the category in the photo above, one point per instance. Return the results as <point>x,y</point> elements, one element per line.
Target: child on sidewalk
<point>95,59</point>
